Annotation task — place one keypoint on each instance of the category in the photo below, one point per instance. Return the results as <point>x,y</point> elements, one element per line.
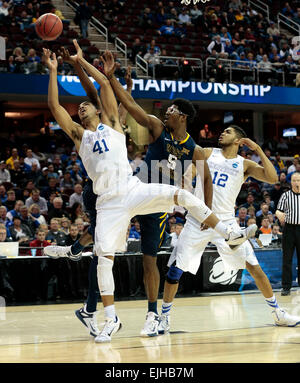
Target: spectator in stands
<point>152,59</point>
<point>287,10</point>
<point>238,43</point>
<point>51,188</point>
<point>11,200</point>
<point>184,17</point>
<point>29,159</point>
<point>63,68</point>
<point>51,172</point>
<point>26,220</point>
<point>205,133</point>
<point>263,212</point>
<point>73,236</point>
<point>4,237</point>
<point>265,226</point>
<point>39,241</point>
<point>265,69</point>
<point>19,60</point>
<point>16,210</point>
<point>289,176</point>
<point>80,224</point>
<point>160,16</point>
<point>216,45</point>
<point>292,167</point>
<point>3,218</point>
<point>279,162</point>
<point>24,20</point>
<point>283,182</point>
<point>4,173</point>
<point>175,234</point>
<point>3,194</point>
<point>20,232</point>
<point>273,31</point>
<point>34,174</point>
<point>236,5</point>
<point>65,225</point>
<point>146,20</point>
<point>167,29</point>
<point>229,50</point>
<point>243,218</point>
<point>66,182</point>
<point>55,235</point>
<point>282,145</point>
<point>84,15</point>
<point>296,17</point>
<point>196,15</point>
<point>268,201</point>
<point>155,47</point>
<point>4,8</point>
<point>135,231</point>
<point>57,210</point>
<point>38,200</point>
<point>276,192</point>
<point>10,160</point>
<point>76,196</point>
<point>77,212</point>
<point>137,49</point>
<point>34,213</point>
<point>276,234</point>
<point>43,180</point>
<point>250,202</point>
<point>251,213</point>
<point>76,173</point>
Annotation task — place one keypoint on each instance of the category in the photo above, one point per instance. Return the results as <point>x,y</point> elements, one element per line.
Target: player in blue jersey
<point>170,152</point>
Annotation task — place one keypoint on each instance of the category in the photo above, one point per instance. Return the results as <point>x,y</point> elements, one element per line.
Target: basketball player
<point>172,146</point>
<point>228,171</point>
<point>102,148</point>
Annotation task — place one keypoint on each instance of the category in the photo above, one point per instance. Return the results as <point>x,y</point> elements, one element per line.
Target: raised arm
<point>62,117</point>
<point>152,123</point>
<point>86,83</point>
<point>264,173</point>
<point>122,110</point>
<point>199,161</point>
<point>108,100</point>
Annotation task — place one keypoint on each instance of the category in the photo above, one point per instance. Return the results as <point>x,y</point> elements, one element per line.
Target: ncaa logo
<point>101,127</point>
<point>235,165</point>
<point>218,274</point>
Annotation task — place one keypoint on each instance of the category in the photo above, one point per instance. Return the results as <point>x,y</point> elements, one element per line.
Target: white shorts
<point>192,243</point>
<point>114,212</point>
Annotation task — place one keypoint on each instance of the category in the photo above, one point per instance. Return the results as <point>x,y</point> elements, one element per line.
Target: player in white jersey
<point>228,172</point>
<point>102,147</point>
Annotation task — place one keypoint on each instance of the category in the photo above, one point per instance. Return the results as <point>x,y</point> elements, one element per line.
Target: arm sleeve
<point>282,203</point>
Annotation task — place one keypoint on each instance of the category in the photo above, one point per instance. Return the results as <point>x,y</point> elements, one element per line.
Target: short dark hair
<point>186,107</point>
<point>238,131</point>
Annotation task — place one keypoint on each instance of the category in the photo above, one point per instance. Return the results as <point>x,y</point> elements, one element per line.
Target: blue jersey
<point>167,159</point>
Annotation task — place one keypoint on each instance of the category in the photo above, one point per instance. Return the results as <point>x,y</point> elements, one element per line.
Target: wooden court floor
<point>211,329</point>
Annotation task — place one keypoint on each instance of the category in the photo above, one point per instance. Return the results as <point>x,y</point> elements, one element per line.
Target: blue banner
<point>160,90</point>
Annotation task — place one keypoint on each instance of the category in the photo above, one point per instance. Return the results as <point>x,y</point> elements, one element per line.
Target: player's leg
<point>186,256</point>
<point>110,236</point>
<point>152,231</point>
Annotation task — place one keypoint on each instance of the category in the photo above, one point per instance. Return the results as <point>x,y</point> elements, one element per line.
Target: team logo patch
<point>235,165</point>
<point>218,274</point>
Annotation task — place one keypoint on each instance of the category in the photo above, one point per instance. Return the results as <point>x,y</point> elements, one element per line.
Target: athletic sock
<point>166,307</point>
<point>76,248</point>
<point>272,302</point>
<point>222,229</point>
<point>110,312</point>
<point>152,306</point>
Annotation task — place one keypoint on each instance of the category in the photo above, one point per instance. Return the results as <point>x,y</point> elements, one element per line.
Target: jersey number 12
<point>99,148</point>
<point>220,179</point>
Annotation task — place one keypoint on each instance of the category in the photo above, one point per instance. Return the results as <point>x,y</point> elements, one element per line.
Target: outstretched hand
<point>251,144</point>
<point>50,63</point>
<point>109,64</point>
<point>128,78</point>
<point>65,54</point>
<point>79,54</point>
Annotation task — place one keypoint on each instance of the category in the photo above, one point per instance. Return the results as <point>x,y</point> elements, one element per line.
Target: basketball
<point>48,26</point>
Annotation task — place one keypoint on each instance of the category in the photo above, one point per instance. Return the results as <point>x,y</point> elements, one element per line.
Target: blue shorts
<point>152,232</point>
<point>89,200</point>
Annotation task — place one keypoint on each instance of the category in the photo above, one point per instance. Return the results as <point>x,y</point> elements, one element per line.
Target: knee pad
<point>194,205</point>
<point>173,275</point>
<point>105,276</point>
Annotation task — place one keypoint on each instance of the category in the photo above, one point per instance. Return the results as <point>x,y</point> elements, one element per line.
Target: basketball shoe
<point>111,326</point>
<point>151,325</point>
<point>89,320</point>
<point>282,318</point>
<point>56,252</point>
<point>164,324</point>
<point>238,237</point>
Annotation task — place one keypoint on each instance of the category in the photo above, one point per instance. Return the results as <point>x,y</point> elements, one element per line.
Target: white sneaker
<point>236,238</point>
<point>282,318</point>
<point>110,327</point>
<point>89,320</point>
<point>56,252</point>
<point>151,325</point>
<point>164,324</point>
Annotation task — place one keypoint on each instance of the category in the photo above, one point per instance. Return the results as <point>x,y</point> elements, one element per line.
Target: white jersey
<point>227,177</point>
<point>104,156</point>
